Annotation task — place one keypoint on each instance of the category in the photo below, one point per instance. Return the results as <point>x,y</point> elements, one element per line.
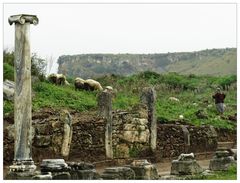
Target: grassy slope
<point>129,89</point>
<point>210,65</point>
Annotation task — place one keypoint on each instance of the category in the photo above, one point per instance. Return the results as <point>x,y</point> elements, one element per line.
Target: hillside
<point>215,62</point>
<point>194,93</point>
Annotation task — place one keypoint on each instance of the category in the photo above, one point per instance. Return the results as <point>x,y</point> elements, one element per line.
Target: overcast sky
<point>66,29</point>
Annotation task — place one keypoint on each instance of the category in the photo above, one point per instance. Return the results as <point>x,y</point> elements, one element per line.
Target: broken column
<point>185,165</point>
<point>223,158</point>
<point>144,170</point>
<point>22,99</point>
<point>105,111</point>
<point>148,97</point>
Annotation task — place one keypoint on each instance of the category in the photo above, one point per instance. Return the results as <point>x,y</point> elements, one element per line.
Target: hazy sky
<point>65,29</point>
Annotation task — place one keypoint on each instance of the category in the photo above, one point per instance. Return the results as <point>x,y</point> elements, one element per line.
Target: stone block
<point>221,163</point>
<point>42,140</point>
<point>122,151</point>
<point>53,165</point>
<point>61,176</point>
<point>185,167</point>
<point>47,176</point>
<point>118,173</point>
<point>144,170</point>
<point>136,136</point>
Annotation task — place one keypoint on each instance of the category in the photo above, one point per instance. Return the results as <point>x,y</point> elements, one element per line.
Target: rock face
<point>144,170</point>
<point>118,173</point>
<point>221,161</point>
<point>185,165</point>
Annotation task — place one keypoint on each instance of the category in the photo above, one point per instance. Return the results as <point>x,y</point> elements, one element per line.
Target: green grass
<point>230,174</point>
<point>128,92</point>
<point>49,95</point>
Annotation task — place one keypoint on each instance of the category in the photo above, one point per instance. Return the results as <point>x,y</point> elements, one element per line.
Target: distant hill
<point>207,62</point>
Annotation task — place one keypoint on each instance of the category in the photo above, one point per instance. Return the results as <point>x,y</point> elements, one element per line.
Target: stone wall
<point>88,140</point>
<point>131,137</point>
<point>131,134</point>
<point>172,140</point>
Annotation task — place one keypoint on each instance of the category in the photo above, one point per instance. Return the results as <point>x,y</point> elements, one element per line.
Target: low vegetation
<point>194,94</point>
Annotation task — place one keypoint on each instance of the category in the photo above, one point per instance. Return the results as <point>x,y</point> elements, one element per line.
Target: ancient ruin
<point>23,165</point>
<point>107,144</point>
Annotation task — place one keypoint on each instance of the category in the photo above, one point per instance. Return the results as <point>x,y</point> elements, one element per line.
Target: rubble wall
<point>131,137</point>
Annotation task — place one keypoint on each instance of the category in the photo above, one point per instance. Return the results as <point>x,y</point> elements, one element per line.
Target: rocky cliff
<point>210,62</point>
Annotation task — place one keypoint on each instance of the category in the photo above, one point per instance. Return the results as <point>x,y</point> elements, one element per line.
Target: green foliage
<point>8,57</point>
<point>134,150</point>
<point>129,90</point>
<point>230,174</point>
<point>8,72</point>
<point>49,95</point>
<point>38,66</point>
<point>7,107</point>
<point>124,101</point>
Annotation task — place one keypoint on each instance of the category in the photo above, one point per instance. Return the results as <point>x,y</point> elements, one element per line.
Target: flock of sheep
<point>79,83</point>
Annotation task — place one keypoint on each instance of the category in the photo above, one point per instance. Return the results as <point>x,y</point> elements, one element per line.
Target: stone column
<point>148,97</point>
<point>105,111</point>
<point>22,97</point>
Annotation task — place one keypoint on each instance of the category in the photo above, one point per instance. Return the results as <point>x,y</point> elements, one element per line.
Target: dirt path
<point>165,167</point>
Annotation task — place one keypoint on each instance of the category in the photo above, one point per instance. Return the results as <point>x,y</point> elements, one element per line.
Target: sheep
<point>173,99</point>
<point>58,79</point>
<point>52,78</point>
<point>92,85</point>
<point>79,83</point>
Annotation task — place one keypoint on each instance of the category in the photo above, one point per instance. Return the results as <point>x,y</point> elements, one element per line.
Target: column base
<point>21,170</point>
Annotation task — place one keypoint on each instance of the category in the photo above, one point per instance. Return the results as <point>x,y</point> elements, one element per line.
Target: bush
<point>8,72</point>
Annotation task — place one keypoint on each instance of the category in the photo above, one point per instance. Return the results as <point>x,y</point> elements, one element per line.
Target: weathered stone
<point>61,176</point>
<point>53,165</point>
<point>46,176</point>
<point>220,154</point>
<point>67,135</point>
<point>22,164</point>
<point>8,90</point>
<point>234,153</point>
<point>42,140</point>
<point>148,97</point>
<point>44,129</point>
<point>144,170</point>
<point>82,171</point>
<point>122,151</point>
<point>105,111</point>
<point>136,136</point>
<point>221,161</point>
<point>118,173</point>
<point>185,165</point>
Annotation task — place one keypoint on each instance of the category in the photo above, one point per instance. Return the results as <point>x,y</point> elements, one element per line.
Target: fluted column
<point>22,96</point>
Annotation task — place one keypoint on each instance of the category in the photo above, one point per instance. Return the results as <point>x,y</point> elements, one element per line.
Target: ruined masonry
<point>185,165</point>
